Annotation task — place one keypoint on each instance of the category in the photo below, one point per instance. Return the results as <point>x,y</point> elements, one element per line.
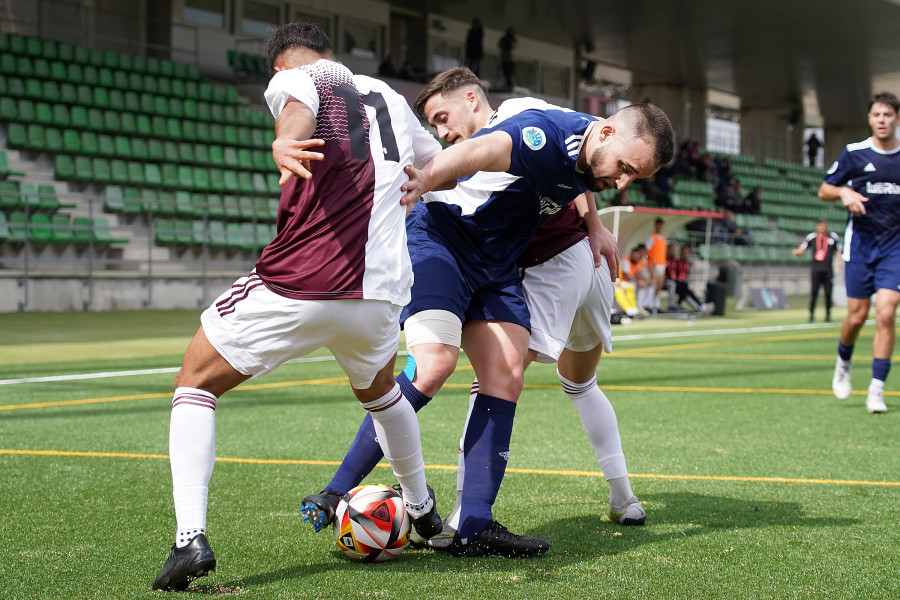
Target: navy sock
<point>880,368</point>
<point>844,352</point>
<point>486,451</point>
<point>365,452</point>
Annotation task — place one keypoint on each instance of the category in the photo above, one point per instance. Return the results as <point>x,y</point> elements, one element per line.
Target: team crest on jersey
<point>833,168</point>
<point>534,137</point>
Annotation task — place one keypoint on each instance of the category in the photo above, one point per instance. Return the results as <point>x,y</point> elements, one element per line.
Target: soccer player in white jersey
<point>336,276</point>
<point>866,179</point>
<point>468,291</point>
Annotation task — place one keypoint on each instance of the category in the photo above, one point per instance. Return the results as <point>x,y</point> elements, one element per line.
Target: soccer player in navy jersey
<point>463,244</point>
<point>866,179</point>
<point>336,276</point>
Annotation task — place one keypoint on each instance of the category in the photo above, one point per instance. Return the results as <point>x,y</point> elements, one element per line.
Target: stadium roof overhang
<point>769,52</point>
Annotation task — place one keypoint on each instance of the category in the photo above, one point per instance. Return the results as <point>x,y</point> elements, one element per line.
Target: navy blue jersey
<point>876,175</point>
<point>489,218</point>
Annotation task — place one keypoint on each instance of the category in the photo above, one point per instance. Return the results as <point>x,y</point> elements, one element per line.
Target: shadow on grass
<point>576,540</point>
<point>676,516</point>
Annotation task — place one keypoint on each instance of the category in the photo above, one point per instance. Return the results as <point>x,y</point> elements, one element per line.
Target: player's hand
<point>292,157</point>
<point>415,188</point>
<point>854,201</point>
<point>603,243</point>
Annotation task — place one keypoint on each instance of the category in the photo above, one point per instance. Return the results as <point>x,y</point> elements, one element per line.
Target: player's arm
<point>850,198</point>
<point>601,239</point>
<point>491,152</point>
<point>801,248</point>
<point>294,127</point>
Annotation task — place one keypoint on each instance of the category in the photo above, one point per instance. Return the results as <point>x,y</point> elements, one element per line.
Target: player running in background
<point>468,239</point>
<point>866,179</point>
<point>336,276</point>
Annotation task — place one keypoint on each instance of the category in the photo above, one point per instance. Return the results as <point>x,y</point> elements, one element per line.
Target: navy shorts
<point>444,281</point>
<point>864,278</point>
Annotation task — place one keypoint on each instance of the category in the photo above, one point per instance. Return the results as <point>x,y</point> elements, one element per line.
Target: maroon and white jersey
<point>559,232</point>
<point>342,233</point>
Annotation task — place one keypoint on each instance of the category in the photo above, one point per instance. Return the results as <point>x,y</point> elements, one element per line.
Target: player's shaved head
<point>448,81</point>
<point>300,38</point>
<point>649,123</point>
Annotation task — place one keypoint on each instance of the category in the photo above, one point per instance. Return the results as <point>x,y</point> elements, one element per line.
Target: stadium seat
<point>49,201</point>
<point>10,196</point>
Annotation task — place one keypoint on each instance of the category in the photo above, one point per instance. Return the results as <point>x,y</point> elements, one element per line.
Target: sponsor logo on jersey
<point>548,206</point>
<point>832,168</point>
<point>869,168</point>
<point>564,186</point>
<point>883,187</point>
<point>505,455</point>
<point>534,137</point>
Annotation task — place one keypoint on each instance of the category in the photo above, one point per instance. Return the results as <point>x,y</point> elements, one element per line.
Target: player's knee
<point>432,370</point>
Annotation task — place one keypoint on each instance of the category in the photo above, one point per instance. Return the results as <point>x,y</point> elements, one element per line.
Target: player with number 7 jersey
<point>347,214</point>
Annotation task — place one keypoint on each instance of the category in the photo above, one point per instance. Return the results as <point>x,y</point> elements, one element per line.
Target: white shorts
<point>256,330</point>
<point>570,303</point>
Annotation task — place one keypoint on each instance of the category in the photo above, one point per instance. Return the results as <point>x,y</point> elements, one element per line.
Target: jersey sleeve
<point>425,146</point>
<point>293,83</point>
<point>840,172</point>
<point>536,143</point>
<point>805,243</point>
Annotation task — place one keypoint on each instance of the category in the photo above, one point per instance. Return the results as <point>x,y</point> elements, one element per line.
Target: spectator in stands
<point>723,166</point>
<point>707,169</point>
<point>407,72</point>
<point>729,196</point>
<point>388,67</point>
<point>827,247</point>
<point>507,46</point>
<point>726,231</point>
<point>475,46</point>
<point>685,163</point>
<point>661,186</point>
<point>751,203</point>
<point>678,275</point>
<point>635,270</point>
<point>812,148</point>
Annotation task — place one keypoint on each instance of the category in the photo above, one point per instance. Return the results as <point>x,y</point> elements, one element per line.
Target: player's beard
<point>590,180</point>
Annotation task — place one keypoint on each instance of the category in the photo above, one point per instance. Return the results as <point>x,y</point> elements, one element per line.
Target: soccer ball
<point>371,523</point>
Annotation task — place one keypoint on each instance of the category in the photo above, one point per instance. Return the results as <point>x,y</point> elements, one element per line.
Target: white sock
<point>451,523</point>
<point>620,494</point>
<point>845,363</point>
<point>192,454</point>
<point>397,429</point>
<point>598,418</point>
<point>876,385</point>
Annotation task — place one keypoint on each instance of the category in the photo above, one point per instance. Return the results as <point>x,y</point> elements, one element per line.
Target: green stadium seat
<point>102,234</point>
<point>101,169</point>
<point>156,151</point>
<point>216,179</point>
<point>170,176</point>
<point>30,199</point>
<point>135,173</point>
<point>17,135</point>
<point>90,146</point>
<point>184,205</point>
<point>216,155</point>
<point>232,208</point>
<point>106,78</point>
<point>59,72</point>
<point>39,231</point>
<point>189,130</point>
<point>152,174</point>
<point>9,110</point>
<point>33,89</point>
<point>25,111</point>
<point>119,172</point>
<point>95,120</point>
<point>5,171</point>
<point>112,122</point>
<point>63,167</point>
<point>216,234</point>
<point>245,182</point>
<point>61,229</point>
<point>43,113</point>
<point>49,201</point>
<point>201,179</point>
<point>10,196</point>
<point>122,146</point>
<point>165,204</point>
<point>60,117</point>
<point>200,205</point>
<point>106,145</point>
<point>230,181</point>
<point>41,68</point>
<point>139,149</point>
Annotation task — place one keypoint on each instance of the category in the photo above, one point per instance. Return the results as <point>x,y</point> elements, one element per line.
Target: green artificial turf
<point>757,482</point>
